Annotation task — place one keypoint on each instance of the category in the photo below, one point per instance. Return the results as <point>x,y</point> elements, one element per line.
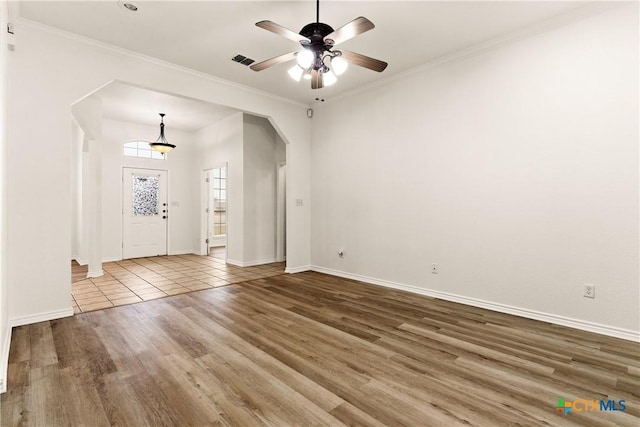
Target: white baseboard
<point>182,252</point>
<point>251,263</point>
<point>40,317</point>
<point>292,270</point>
<point>83,262</point>
<point>98,273</point>
<point>583,325</point>
<point>19,321</point>
<point>4,359</point>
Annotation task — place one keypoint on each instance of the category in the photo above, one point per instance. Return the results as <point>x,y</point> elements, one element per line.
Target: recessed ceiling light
<point>130,6</point>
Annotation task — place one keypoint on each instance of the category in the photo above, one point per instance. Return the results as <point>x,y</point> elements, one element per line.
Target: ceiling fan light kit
<point>339,65</point>
<point>318,61</point>
<point>296,72</point>
<point>304,59</point>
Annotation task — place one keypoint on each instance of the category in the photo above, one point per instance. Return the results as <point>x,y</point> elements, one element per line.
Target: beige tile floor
<point>142,279</point>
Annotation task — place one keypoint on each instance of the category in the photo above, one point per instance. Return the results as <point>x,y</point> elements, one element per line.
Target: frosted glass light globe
<point>339,65</point>
<point>329,78</point>
<point>304,58</point>
<point>296,72</point>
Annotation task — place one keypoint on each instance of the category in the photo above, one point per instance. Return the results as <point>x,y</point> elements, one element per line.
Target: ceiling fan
<point>319,61</point>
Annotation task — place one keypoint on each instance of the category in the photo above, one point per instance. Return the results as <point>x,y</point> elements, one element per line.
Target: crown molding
<point>24,22</point>
<point>532,30</point>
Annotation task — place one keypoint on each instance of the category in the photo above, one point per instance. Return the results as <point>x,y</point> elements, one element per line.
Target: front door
<point>145,213</point>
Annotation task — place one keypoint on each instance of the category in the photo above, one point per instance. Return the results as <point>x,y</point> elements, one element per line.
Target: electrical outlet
<point>434,269</point>
<point>589,290</point>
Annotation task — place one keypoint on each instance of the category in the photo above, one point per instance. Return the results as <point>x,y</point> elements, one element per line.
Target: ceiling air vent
<point>242,60</point>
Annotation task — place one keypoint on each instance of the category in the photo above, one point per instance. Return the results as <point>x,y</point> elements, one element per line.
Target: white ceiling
<point>205,35</point>
<point>133,104</point>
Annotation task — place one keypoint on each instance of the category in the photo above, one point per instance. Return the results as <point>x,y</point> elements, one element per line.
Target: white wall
<point>5,328</point>
<point>262,151</point>
<point>219,144</point>
<point>247,144</point>
<point>251,148</point>
<point>51,70</point>
<point>514,169</point>
<point>179,164</point>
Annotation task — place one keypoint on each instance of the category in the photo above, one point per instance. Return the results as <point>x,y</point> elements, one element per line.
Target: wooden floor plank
<point>309,349</point>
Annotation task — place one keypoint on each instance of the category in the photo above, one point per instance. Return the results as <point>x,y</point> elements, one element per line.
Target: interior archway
<point>206,135</point>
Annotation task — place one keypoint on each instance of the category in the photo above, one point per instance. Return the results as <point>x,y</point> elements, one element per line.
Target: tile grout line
<point>186,266</point>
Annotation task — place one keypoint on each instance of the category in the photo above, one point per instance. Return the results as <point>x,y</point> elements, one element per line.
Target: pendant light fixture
<point>162,145</point>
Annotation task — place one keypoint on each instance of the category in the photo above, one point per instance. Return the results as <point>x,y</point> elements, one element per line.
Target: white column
<point>92,197</point>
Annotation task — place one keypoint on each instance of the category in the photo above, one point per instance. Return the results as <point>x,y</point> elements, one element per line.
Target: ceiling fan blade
<point>350,30</point>
<point>316,80</point>
<point>364,61</point>
<point>273,61</point>
<point>281,31</point>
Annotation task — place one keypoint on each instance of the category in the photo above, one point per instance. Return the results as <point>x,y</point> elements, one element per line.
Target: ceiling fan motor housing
<point>316,33</point>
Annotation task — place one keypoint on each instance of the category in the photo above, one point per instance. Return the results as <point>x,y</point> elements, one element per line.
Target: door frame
<point>204,215</point>
<point>281,213</point>
<point>167,222</point>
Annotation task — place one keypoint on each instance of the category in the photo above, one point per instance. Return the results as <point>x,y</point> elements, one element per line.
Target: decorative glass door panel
<point>219,190</point>
<point>145,192</point>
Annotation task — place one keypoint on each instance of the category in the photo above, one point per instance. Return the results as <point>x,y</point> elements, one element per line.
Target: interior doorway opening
<point>244,209</point>
<point>247,225</point>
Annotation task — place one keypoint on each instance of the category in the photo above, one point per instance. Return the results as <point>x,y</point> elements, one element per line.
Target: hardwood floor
<point>311,349</point>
